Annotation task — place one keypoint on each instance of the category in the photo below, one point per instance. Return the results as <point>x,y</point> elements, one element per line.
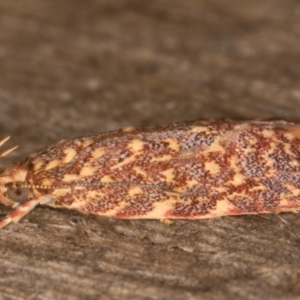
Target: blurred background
<point>77,67</point>
<point>73,67</point>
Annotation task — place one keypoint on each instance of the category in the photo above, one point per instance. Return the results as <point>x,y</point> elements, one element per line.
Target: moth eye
<point>17,194</point>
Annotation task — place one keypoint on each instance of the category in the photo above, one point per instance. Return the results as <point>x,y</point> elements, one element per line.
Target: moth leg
<point>166,222</point>
<point>23,209</point>
<point>6,201</point>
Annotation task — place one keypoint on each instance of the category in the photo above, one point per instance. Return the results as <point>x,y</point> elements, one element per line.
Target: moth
<point>191,170</point>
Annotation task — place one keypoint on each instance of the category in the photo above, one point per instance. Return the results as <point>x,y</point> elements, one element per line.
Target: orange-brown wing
<point>196,170</point>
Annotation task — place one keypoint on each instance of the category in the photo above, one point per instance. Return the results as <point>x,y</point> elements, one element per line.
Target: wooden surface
<point>70,68</point>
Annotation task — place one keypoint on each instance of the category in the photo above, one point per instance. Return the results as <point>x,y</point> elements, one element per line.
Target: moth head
<point>11,191</point>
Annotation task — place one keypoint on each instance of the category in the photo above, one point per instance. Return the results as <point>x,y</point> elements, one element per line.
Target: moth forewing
<point>192,170</point>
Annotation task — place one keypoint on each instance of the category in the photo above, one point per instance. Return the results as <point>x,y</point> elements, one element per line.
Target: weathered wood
<point>77,67</point>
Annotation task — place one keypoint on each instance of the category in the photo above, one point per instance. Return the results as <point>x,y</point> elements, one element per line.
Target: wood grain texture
<point>74,68</point>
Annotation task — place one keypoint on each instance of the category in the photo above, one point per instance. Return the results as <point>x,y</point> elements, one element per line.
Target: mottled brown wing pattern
<point>193,170</point>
